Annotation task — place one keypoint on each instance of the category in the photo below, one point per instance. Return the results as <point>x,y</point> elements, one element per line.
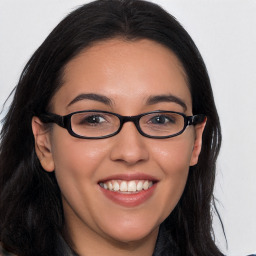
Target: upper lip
<point>130,176</point>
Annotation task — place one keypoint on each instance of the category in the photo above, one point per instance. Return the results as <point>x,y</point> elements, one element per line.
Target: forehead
<point>125,71</point>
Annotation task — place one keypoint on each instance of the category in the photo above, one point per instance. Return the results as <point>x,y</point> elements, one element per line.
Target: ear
<point>199,129</point>
<point>42,144</point>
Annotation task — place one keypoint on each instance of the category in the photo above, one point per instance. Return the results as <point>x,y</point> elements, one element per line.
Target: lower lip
<point>129,200</point>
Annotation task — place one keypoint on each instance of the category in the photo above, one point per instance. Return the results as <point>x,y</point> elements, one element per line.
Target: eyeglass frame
<point>65,122</point>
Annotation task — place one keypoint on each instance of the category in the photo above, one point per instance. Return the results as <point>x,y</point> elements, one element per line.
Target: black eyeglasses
<point>94,124</point>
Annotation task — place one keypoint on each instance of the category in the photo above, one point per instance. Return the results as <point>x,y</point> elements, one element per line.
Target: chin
<point>125,233</point>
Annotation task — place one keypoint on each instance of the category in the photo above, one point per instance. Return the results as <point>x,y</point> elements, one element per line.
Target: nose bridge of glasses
<point>133,119</point>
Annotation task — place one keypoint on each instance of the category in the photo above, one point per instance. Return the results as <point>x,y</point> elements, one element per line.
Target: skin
<point>128,73</point>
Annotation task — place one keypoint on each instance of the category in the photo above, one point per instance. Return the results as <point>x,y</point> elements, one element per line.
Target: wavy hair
<point>31,215</point>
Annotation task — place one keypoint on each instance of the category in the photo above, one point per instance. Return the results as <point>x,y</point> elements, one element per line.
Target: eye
<point>162,119</point>
<point>89,119</point>
<point>93,119</point>
<point>94,124</point>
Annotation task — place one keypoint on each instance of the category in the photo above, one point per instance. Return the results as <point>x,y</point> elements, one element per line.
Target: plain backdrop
<point>225,33</point>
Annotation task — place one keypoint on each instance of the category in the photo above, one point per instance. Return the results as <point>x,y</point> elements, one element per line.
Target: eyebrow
<point>150,101</point>
<point>166,98</point>
<point>91,96</point>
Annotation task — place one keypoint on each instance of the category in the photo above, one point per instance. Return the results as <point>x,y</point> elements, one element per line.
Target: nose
<point>129,146</point>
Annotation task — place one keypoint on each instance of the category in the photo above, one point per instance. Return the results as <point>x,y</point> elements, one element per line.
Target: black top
<point>164,246</point>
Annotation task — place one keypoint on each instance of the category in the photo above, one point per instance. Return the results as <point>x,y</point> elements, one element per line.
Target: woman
<point>110,144</point>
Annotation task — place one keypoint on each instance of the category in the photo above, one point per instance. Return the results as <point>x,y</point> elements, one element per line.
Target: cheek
<point>76,167</point>
<point>173,158</point>
<point>75,159</point>
<point>174,155</point>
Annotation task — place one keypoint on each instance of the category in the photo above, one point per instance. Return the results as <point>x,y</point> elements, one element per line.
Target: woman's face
<point>127,77</point>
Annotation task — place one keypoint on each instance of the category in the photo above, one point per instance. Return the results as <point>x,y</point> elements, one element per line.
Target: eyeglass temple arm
<point>196,119</point>
<point>52,118</point>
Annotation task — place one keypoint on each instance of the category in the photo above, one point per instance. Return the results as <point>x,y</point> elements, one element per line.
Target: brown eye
<point>161,119</point>
<point>92,120</point>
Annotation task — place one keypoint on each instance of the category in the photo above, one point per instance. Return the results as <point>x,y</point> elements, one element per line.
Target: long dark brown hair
<point>31,216</point>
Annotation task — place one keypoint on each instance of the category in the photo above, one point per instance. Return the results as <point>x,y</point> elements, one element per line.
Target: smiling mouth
<point>127,187</point>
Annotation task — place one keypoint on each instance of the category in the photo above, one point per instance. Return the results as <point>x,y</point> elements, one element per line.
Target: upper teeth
<point>127,186</point>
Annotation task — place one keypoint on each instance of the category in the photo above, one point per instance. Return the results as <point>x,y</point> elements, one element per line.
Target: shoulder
<point>3,252</point>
